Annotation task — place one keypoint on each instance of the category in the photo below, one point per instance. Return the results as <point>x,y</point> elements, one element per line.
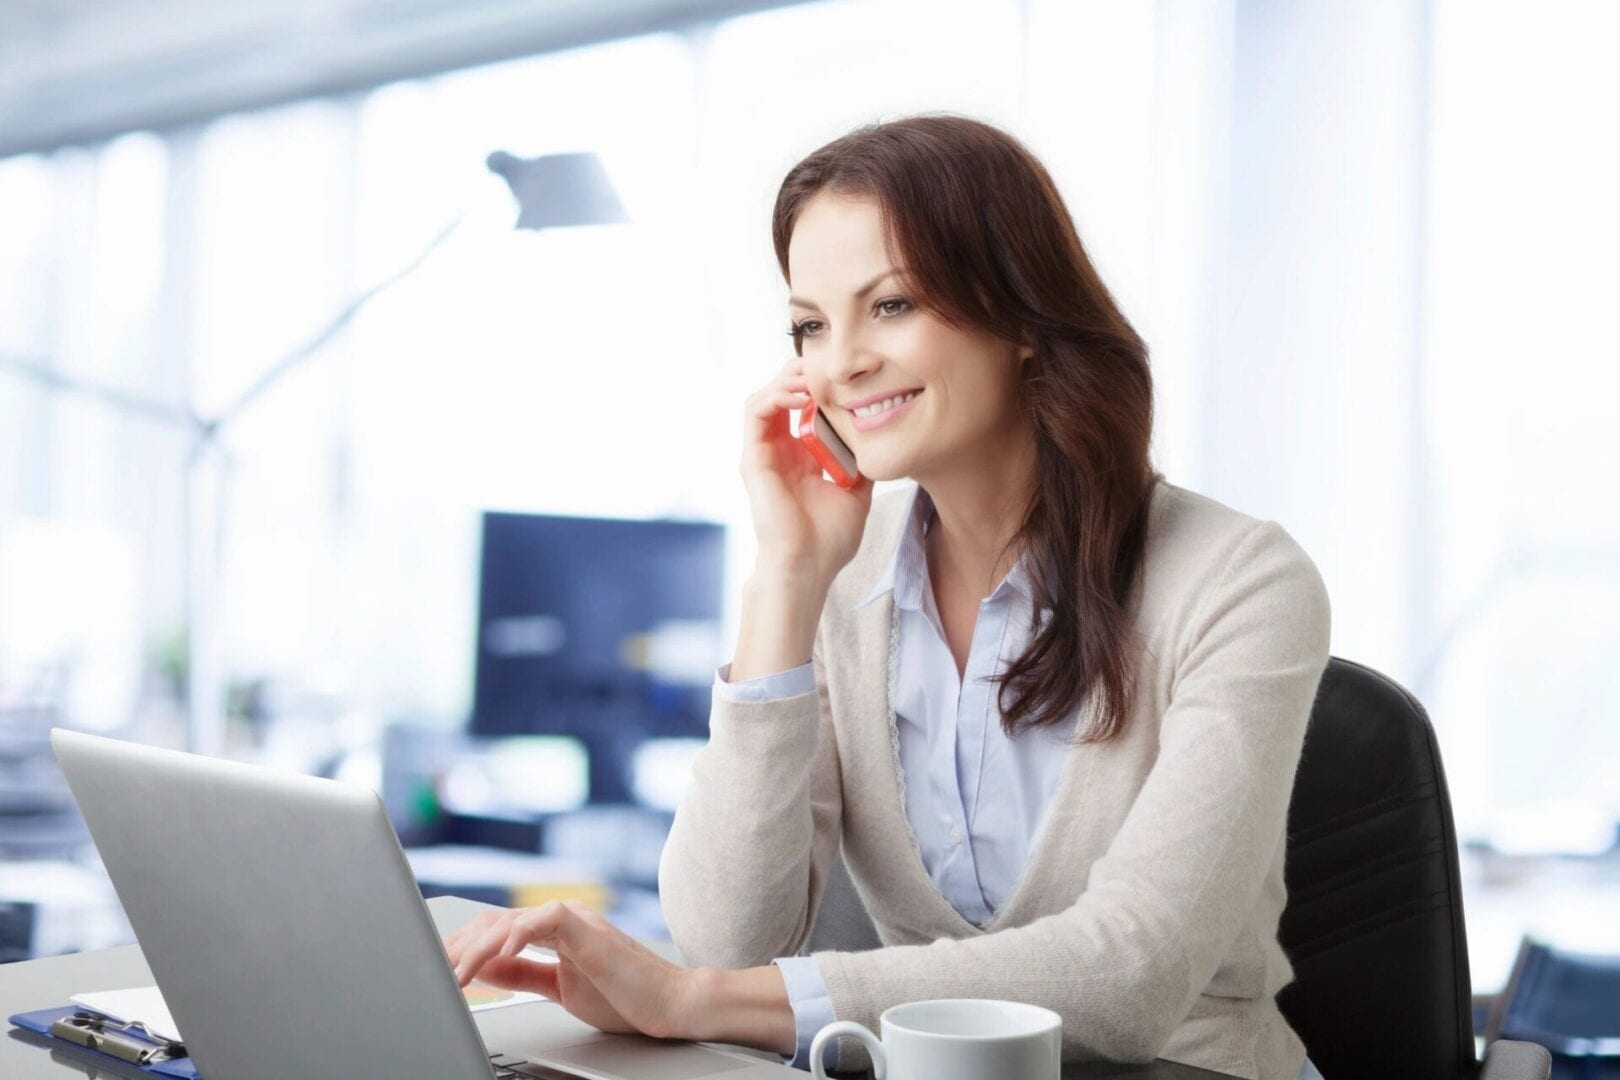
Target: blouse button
<point>956,835</point>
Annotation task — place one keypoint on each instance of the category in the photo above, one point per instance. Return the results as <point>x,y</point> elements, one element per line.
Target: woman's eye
<point>809,327</point>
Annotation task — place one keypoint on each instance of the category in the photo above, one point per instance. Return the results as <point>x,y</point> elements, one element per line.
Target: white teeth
<point>884,406</point>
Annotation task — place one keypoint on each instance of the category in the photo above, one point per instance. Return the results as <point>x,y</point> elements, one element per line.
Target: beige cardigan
<point>1147,915</point>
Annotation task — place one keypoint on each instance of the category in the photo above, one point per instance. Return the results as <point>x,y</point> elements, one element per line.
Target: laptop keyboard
<point>511,1067</point>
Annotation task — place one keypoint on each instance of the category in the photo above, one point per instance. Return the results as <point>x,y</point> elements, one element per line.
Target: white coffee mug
<point>956,1039</point>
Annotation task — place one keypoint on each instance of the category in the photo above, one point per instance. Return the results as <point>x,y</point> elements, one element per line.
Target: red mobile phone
<point>830,452</point>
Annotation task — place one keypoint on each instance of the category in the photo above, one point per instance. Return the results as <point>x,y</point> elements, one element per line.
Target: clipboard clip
<point>133,1041</point>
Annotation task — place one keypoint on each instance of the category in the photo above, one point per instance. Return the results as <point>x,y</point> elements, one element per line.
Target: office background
<point>1369,244</point>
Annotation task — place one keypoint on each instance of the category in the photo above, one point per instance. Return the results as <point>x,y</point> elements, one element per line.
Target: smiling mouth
<point>881,407</point>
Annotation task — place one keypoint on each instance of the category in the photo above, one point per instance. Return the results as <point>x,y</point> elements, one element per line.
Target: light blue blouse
<point>975,799</point>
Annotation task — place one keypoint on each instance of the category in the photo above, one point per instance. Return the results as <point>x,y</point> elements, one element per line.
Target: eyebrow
<point>794,301</point>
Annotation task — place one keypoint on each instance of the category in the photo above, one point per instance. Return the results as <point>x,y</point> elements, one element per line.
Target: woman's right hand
<point>804,523</point>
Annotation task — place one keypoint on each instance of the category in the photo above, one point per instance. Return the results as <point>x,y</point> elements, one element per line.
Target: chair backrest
<point>1567,1001</point>
<point>1374,922</point>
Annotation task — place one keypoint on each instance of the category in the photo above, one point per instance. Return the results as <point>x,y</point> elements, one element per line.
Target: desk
<point>39,984</point>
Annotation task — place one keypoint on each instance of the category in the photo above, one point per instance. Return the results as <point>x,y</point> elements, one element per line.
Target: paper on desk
<point>146,1004</point>
<point>481,997</point>
<point>143,1003</point>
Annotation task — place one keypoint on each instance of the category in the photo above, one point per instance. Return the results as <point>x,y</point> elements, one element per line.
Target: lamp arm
<point>206,428</point>
<point>107,395</point>
<point>275,372</point>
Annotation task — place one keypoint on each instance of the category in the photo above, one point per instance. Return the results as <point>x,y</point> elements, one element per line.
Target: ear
<point>1027,349</point>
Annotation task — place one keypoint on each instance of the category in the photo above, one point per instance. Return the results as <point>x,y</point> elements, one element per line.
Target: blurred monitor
<point>604,629</point>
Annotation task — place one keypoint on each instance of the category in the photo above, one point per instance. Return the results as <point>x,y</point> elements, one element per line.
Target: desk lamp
<point>552,191</point>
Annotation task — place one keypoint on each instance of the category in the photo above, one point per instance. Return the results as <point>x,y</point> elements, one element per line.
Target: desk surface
<point>40,984</point>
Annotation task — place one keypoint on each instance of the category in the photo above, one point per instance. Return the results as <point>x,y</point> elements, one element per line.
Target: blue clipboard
<point>40,1024</point>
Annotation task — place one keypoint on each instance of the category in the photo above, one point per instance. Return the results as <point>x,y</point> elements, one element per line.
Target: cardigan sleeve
<point>1164,905</point>
<point>746,861</point>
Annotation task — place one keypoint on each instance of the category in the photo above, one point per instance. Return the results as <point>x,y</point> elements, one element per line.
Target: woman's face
<point>864,336</point>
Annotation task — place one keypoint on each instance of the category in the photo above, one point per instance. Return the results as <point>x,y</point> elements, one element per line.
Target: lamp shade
<point>559,189</point>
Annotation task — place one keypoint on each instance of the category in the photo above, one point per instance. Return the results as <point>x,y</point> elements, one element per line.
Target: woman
<point>1052,705</point>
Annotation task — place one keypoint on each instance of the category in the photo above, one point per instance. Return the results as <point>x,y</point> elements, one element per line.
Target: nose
<point>848,362</point>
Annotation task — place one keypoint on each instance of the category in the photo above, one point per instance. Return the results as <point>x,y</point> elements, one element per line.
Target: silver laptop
<point>282,924</point>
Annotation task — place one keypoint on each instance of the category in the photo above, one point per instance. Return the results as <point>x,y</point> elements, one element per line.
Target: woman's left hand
<point>602,975</point>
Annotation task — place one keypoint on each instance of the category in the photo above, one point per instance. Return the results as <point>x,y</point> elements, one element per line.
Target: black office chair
<point>1374,923</point>
<point>1567,1001</point>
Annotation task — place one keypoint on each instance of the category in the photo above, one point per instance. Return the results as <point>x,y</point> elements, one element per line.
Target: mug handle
<point>855,1031</point>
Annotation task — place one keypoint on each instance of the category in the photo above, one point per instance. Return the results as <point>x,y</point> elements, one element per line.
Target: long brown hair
<point>986,242</point>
